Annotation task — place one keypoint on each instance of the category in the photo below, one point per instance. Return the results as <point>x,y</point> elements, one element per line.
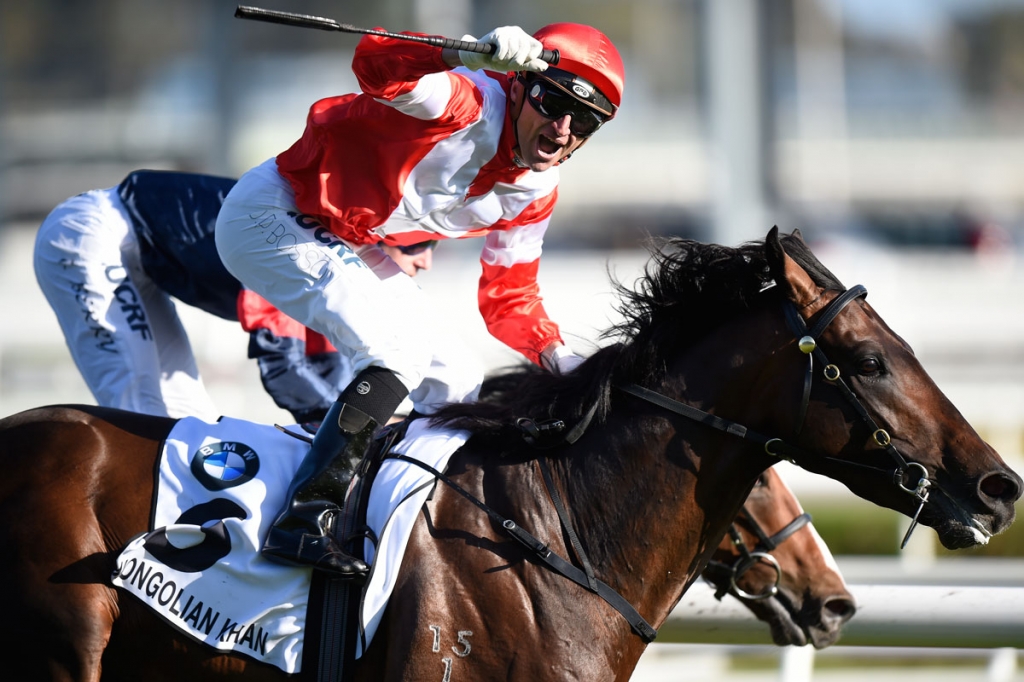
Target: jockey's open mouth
<point>549,146</point>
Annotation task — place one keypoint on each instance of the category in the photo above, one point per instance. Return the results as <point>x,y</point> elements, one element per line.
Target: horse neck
<point>652,493</point>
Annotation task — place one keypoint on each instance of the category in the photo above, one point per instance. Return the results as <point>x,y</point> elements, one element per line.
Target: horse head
<point>875,420</point>
<point>777,565</point>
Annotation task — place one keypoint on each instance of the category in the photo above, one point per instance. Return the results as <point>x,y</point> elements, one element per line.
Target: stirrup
<point>319,552</point>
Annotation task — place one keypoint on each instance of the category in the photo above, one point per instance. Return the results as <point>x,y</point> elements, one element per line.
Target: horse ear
<point>797,284</point>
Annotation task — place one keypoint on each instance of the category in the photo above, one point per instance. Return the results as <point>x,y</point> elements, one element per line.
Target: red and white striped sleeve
<point>411,77</point>
<point>509,295</point>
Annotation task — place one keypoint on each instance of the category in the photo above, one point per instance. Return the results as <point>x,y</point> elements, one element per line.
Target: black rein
<point>544,553</point>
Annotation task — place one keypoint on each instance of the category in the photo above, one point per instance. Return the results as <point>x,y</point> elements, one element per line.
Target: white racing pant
<point>356,296</point>
<point>122,330</point>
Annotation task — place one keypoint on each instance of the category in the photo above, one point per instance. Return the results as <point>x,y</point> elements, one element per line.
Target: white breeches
<point>122,330</point>
<point>356,296</point>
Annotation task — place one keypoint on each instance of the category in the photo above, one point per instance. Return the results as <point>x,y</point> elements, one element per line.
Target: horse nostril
<point>841,608</point>
<point>1000,487</point>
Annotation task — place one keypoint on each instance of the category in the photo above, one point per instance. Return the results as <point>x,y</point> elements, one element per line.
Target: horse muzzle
<point>959,528</point>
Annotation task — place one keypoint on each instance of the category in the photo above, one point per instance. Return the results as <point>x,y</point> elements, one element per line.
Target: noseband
<point>748,559</point>
<point>808,344</point>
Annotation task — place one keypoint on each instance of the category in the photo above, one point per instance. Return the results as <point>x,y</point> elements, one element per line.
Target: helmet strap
<point>515,109</point>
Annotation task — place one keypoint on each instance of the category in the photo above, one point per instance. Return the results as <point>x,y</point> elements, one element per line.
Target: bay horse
<point>773,560</point>
<point>718,347</point>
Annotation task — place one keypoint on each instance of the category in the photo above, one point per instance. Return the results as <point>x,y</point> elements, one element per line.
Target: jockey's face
<point>411,263</point>
<point>543,142</point>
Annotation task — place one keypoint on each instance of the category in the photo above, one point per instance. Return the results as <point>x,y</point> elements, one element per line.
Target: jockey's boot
<point>302,533</point>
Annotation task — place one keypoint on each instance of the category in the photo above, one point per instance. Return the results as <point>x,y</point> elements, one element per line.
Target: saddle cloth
<point>219,487</point>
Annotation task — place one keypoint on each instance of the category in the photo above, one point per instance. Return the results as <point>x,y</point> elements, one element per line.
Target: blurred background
<point>890,132</point>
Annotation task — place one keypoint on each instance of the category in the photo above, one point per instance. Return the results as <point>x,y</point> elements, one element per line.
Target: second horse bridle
<point>766,544</point>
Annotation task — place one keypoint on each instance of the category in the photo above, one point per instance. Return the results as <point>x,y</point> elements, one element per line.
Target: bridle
<point>773,446</point>
<point>749,558</point>
<point>808,344</point>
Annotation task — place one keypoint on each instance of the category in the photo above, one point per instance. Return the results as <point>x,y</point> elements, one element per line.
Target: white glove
<point>562,360</point>
<point>514,50</point>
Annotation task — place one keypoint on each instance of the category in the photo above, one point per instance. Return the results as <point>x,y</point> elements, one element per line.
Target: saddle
<point>218,486</point>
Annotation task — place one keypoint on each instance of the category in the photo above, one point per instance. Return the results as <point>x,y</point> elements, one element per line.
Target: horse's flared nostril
<point>1001,486</point>
<point>840,608</point>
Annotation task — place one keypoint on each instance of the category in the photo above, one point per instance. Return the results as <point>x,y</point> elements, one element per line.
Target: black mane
<point>688,288</point>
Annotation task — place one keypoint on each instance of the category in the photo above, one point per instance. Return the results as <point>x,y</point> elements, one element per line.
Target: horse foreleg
<point>60,633</point>
<point>63,508</point>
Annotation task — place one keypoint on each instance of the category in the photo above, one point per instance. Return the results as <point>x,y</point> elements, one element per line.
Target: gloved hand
<point>568,363</point>
<point>514,50</point>
<point>562,360</point>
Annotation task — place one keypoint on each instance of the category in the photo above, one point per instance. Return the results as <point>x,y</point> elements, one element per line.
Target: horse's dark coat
<point>649,492</point>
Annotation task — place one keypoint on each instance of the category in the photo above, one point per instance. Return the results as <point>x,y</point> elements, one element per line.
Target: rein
<point>542,552</point>
<point>807,343</point>
<point>748,559</point>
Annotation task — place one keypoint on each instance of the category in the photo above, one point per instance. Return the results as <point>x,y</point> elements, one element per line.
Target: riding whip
<point>325,24</point>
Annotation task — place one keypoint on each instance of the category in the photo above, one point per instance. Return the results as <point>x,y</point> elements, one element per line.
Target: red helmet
<point>589,54</point>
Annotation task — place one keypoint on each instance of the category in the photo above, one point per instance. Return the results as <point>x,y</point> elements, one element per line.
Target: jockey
<point>109,262</point>
<point>440,144</point>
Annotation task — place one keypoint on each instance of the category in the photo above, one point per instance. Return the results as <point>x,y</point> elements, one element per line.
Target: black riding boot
<point>302,533</point>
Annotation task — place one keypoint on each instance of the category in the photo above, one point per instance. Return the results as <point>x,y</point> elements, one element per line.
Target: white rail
<point>887,615</point>
<point>897,621</point>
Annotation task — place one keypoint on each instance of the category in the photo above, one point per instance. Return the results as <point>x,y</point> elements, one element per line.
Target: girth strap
<point>543,553</point>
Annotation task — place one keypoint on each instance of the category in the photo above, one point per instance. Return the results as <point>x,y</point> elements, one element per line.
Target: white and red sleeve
<point>509,296</point>
<point>411,77</point>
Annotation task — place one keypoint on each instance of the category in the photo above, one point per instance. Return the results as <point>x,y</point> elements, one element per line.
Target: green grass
<point>858,527</point>
<point>757,662</point>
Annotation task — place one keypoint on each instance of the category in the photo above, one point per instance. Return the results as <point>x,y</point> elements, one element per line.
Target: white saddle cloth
<point>219,487</point>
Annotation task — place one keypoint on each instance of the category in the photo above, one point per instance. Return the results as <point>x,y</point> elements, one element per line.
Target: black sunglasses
<point>417,249</point>
<point>552,102</point>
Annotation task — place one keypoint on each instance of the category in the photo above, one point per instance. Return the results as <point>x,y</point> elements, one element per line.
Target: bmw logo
<point>224,465</point>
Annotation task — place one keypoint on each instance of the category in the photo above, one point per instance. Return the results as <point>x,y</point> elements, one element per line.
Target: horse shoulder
<point>470,595</point>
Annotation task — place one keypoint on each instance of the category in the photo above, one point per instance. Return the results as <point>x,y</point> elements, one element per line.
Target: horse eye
<point>869,366</point>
